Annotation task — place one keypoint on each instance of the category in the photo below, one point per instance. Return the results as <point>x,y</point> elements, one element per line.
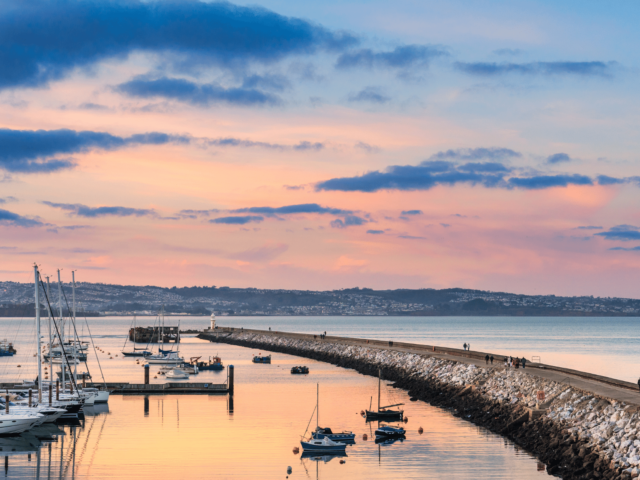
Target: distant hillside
<point>16,299</point>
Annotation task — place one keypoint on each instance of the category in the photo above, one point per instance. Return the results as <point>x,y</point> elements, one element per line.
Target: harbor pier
<point>578,424</point>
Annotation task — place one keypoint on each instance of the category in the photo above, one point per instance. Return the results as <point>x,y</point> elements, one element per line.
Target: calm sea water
<point>252,435</point>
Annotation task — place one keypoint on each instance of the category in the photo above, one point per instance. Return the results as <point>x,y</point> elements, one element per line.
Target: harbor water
<point>253,433</point>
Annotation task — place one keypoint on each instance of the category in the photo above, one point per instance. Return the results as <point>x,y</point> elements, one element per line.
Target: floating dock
<point>171,388</point>
<point>166,388</point>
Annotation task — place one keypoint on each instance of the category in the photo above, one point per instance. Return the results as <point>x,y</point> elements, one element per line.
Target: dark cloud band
<point>41,40</point>
<point>80,210</point>
<point>30,151</point>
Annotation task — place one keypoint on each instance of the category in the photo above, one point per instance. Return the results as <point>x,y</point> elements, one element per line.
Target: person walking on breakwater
<point>524,362</point>
<point>639,384</point>
<point>464,347</point>
<point>486,359</point>
<point>491,358</point>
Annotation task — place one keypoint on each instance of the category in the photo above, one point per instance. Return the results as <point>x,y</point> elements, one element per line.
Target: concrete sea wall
<point>575,433</point>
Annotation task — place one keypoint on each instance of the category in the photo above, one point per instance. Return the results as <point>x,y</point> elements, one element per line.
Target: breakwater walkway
<point>612,388</point>
<point>580,425</point>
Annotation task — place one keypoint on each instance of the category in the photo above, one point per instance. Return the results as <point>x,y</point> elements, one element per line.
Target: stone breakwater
<point>576,434</point>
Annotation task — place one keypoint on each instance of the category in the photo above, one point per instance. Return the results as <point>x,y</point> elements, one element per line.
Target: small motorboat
<point>390,432</point>
<point>324,445</point>
<point>177,374</point>
<point>257,359</point>
<point>185,367</point>
<point>344,437</point>
<point>300,370</point>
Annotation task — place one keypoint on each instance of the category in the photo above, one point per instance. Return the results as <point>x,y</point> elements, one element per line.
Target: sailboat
<point>136,352</point>
<point>320,433</point>
<point>324,444</point>
<point>382,413</point>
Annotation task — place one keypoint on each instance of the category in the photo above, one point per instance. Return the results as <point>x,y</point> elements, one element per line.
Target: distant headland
<point>96,299</point>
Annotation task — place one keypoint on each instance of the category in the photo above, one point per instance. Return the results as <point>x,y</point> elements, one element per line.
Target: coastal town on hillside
<point>102,299</point>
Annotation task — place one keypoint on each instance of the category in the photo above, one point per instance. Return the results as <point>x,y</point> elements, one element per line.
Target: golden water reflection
<point>252,435</point>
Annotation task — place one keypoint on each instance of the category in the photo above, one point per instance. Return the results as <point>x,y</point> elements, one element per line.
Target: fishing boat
<point>390,432</point>
<point>214,363</point>
<point>300,370</point>
<point>383,413</point>
<point>177,374</point>
<point>258,359</point>
<point>6,349</point>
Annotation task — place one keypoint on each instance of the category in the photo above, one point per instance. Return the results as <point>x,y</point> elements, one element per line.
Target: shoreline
<point>577,432</point>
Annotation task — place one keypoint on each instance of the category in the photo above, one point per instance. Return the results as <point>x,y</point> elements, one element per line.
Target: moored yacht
<point>16,423</point>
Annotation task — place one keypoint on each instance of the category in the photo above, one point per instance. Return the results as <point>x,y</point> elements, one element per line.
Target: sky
<point>322,145</point>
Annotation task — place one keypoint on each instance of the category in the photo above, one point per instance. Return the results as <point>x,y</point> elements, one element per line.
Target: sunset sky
<point>323,145</point>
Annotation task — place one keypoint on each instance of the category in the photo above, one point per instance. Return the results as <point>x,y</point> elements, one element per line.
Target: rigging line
<point>53,317</point>
<point>94,351</point>
<point>127,337</point>
<point>73,322</point>
<point>305,431</point>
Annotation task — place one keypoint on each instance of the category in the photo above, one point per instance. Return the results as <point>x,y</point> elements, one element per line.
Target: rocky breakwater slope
<point>575,433</point>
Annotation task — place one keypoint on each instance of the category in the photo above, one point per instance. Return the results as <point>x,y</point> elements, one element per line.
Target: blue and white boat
<point>343,437</point>
<point>323,439</point>
<point>265,359</point>
<point>324,445</point>
<point>6,349</point>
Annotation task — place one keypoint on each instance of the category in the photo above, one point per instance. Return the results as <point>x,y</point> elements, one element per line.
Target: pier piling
<point>230,387</point>
<point>57,389</point>
<point>146,374</point>
<point>30,397</point>
<point>7,404</point>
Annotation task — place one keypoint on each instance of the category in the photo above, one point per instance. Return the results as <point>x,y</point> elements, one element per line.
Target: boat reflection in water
<point>49,450</point>
<point>317,457</point>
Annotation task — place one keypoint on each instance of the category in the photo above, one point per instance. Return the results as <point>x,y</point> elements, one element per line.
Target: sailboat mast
<point>50,336</point>
<point>63,363</point>
<point>36,275</point>
<point>379,379</point>
<point>317,405</point>
<point>77,347</point>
